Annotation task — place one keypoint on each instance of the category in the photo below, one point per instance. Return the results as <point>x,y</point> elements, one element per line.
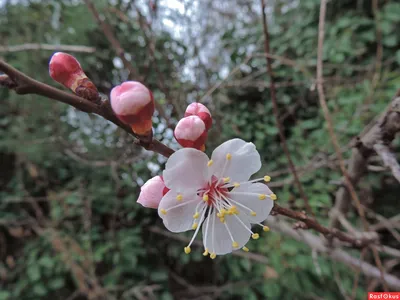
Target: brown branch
<point>328,119</point>
<point>67,48</point>
<point>23,84</point>
<point>355,241</point>
<point>276,111</point>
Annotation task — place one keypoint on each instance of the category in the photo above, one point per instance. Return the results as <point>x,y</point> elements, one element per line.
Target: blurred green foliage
<point>84,174</point>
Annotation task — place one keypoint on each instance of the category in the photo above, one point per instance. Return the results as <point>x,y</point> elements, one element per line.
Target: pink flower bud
<point>191,132</point>
<point>133,104</point>
<point>152,192</point>
<point>198,109</point>
<point>65,69</point>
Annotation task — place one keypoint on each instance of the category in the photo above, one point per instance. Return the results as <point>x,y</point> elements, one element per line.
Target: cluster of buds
<point>191,131</point>
<point>66,69</point>
<point>133,104</point>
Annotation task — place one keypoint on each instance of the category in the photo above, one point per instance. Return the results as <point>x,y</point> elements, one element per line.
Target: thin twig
<point>107,30</point>
<point>355,241</point>
<point>67,48</point>
<point>328,118</point>
<point>276,111</point>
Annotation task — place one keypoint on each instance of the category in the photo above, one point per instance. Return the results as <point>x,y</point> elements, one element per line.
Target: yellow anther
<point>267,178</point>
<point>222,220</point>
<point>223,211</point>
<point>262,196</point>
<point>187,250</point>
<point>255,236</point>
<point>179,197</point>
<point>210,162</point>
<point>266,228</point>
<point>205,253</point>
<point>194,226</point>
<point>235,245</point>
<point>196,215</point>
<point>229,156</point>
<point>253,213</point>
<point>213,255</point>
<point>205,198</point>
<point>236,184</point>
<point>245,249</point>
<point>273,197</point>
<point>163,211</point>
<point>226,179</point>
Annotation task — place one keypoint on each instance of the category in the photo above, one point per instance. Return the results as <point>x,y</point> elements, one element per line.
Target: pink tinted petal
<point>178,215</point>
<point>152,192</point>
<point>245,160</point>
<point>186,169</point>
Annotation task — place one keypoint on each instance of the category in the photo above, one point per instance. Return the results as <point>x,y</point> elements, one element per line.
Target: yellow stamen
<point>179,197</point>
<point>205,253</point>
<point>196,215</point>
<point>235,245</point>
<point>245,249</point>
<point>229,156</point>
<point>236,184</point>
<point>255,236</point>
<point>262,196</point>
<point>267,178</point>
<point>266,228</point>
<point>226,179</point>
<point>210,162</point>
<point>253,213</point>
<point>194,226</point>
<point>213,255</point>
<point>187,250</point>
<point>205,198</point>
<point>163,211</point>
<point>273,197</point>
<point>222,220</point>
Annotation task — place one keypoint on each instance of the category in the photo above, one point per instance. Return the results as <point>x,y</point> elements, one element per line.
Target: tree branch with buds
<point>22,84</point>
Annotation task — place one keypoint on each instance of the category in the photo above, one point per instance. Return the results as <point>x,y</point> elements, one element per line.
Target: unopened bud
<point>198,109</point>
<point>65,69</point>
<point>152,192</point>
<point>133,104</point>
<point>190,132</point>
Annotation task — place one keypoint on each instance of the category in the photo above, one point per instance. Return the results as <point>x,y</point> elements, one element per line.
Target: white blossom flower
<point>216,195</point>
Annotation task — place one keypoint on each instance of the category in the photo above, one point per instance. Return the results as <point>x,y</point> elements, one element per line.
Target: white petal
<point>262,208</point>
<point>218,239</point>
<point>186,169</point>
<point>178,219</point>
<point>244,162</point>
